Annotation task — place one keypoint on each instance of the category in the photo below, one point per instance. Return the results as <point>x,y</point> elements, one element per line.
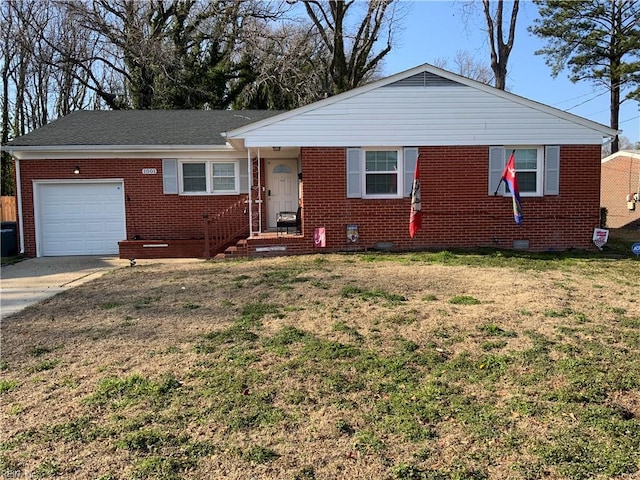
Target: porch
<point>225,234</point>
<point>270,243</point>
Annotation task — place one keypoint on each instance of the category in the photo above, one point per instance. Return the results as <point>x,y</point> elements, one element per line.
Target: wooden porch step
<point>233,251</point>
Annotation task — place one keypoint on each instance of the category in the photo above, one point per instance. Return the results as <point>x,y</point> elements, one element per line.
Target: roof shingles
<point>141,127</point>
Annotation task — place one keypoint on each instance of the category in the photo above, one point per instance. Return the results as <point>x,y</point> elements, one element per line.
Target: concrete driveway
<point>35,279</point>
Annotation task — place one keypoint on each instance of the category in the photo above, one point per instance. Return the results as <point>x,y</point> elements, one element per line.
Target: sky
<point>436,29</point>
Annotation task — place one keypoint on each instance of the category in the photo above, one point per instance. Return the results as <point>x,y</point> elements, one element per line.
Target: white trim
<point>635,154</point>
<point>66,152</point>
<point>250,196</point>
<point>20,215</point>
<point>259,200</point>
<point>80,180</point>
<point>208,172</point>
<point>399,172</point>
<point>540,168</point>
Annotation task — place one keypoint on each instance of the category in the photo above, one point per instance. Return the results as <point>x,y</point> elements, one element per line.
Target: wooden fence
<point>8,210</point>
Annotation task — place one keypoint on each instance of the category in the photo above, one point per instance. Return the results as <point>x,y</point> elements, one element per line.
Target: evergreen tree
<point>598,41</point>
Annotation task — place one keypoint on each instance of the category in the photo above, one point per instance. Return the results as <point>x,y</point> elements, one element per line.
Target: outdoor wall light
<point>276,149</point>
<point>76,170</point>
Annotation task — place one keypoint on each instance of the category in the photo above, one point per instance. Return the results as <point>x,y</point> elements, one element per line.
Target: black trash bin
<point>9,232</point>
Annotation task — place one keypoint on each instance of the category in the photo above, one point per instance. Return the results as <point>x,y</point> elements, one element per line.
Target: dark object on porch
<point>287,220</point>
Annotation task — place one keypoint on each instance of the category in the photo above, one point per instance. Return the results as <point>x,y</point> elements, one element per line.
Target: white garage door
<point>78,218</point>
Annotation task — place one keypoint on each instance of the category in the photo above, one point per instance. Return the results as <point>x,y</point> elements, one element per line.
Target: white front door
<point>282,188</point>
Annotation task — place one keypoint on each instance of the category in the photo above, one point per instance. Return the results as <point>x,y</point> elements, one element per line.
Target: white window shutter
<point>354,173</point>
<point>244,177</point>
<point>170,175</point>
<point>410,158</point>
<point>496,167</point>
<point>552,170</point>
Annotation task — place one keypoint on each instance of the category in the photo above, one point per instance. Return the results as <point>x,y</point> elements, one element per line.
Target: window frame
<point>399,172</point>
<point>209,190</point>
<point>539,170</point>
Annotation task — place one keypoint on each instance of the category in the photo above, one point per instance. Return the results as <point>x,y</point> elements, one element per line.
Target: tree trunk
<point>500,50</point>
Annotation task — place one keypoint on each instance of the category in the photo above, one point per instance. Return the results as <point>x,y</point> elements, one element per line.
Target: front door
<point>282,188</point>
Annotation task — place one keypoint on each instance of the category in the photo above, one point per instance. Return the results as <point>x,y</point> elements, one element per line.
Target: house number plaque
<point>149,171</point>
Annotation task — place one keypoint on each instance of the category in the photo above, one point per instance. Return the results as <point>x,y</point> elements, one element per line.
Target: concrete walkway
<point>35,279</point>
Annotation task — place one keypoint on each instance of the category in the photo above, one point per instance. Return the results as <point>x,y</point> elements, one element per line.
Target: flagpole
<point>498,187</point>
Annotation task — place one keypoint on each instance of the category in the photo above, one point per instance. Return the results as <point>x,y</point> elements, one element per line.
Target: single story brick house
<point>620,189</point>
<point>145,184</point>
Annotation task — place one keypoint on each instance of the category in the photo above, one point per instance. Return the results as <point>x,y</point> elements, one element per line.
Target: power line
<point>573,98</point>
<point>587,101</point>
<point>629,119</point>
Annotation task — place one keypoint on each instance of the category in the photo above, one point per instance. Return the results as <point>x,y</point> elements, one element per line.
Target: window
<point>537,169</point>
<point>209,177</point>
<point>194,177</point>
<point>528,170</point>
<point>224,177</point>
<point>381,172</point>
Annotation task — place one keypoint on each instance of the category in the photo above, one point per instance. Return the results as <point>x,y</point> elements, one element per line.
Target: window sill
<point>206,194</point>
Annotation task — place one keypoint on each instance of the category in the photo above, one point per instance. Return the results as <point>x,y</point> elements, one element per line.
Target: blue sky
<point>435,29</point>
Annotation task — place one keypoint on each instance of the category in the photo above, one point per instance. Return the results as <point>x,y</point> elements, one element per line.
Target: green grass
<point>43,366</point>
<point>395,386</point>
<point>464,300</point>
<point>7,386</point>
<point>259,454</point>
<point>372,295</point>
<point>493,330</point>
<point>120,392</point>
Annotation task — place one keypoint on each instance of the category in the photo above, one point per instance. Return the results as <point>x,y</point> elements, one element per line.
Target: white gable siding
<point>431,116</point>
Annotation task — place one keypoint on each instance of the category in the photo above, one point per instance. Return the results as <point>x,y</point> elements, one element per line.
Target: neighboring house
<point>620,189</point>
<point>165,183</point>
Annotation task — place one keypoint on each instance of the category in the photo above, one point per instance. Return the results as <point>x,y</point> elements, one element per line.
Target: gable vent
<point>424,79</point>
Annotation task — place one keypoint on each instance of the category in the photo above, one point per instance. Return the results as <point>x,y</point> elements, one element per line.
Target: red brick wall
<point>457,211</point>
<point>620,177</point>
<point>150,214</point>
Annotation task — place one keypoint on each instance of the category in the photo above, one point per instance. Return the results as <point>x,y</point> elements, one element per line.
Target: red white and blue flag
<point>415,220</point>
<point>509,176</point>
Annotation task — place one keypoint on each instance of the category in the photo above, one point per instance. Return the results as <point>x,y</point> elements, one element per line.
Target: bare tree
<point>500,35</point>
<point>623,144</point>
<point>168,53</point>
<point>467,66</point>
<point>353,58</point>
<point>128,39</point>
<point>500,48</point>
<point>8,51</point>
<point>27,81</point>
<point>289,66</point>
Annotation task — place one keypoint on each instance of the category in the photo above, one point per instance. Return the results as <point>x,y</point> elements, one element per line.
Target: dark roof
<point>141,127</point>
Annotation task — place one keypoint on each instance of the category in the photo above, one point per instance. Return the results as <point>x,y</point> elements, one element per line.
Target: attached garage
<point>79,217</point>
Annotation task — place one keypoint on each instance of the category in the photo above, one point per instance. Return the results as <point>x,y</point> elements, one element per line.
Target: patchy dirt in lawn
<point>150,372</point>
